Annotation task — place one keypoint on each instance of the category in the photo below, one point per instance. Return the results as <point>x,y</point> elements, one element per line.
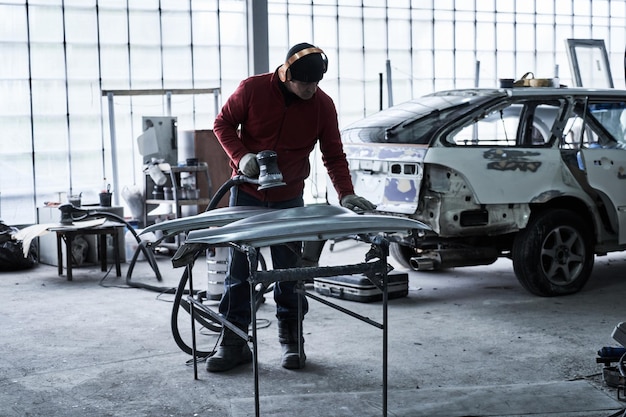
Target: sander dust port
<point>216,265</point>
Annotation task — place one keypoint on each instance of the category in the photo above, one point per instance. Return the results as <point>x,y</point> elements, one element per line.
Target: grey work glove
<point>249,166</point>
<point>357,203</point>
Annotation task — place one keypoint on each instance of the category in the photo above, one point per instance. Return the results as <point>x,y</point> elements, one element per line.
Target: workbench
<point>67,234</point>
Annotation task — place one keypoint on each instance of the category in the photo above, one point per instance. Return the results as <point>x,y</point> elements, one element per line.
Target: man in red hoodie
<point>285,112</point>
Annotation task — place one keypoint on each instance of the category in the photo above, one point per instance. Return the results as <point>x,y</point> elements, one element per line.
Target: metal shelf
<point>174,180</point>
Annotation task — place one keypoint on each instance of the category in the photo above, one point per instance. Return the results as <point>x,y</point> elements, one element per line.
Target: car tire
<point>554,254</point>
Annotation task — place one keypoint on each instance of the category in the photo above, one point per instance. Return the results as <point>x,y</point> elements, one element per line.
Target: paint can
<point>217,265</point>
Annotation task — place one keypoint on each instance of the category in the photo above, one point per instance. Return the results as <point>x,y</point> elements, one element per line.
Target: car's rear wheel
<point>553,255</point>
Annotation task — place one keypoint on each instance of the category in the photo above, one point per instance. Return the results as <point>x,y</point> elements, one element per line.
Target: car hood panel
<point>213,218</point>
<point>296,224</point>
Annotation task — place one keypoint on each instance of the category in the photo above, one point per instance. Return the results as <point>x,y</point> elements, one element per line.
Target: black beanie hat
<point>309,68</point>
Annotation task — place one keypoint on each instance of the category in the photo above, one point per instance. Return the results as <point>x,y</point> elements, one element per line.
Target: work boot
<point>288,338</point>
<point>232,351</point>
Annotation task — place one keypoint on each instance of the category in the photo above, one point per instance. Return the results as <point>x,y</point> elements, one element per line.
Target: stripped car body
<point>534,174</point>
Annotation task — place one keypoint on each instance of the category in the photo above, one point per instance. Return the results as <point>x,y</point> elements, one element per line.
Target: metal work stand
<point>376,271</point>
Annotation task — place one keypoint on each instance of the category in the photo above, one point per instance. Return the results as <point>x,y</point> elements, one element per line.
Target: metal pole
<point>385,334</point>
<point>216,100</point>
<point>477,74</point>
<point>389,84</point>
<point>253,259</point>
<point>116,188</point>
<point>380,91</point>
<point>194,349</point>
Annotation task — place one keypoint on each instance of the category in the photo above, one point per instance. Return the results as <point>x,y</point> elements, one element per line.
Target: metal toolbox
<point>360,288</point>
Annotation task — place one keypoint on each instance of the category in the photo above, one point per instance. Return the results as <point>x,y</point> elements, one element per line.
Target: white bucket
<point>131,244</point>
<point>216,265</point>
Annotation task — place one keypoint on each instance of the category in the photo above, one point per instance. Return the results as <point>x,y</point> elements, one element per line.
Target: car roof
<point>431,110</point>
<point>538,91</point>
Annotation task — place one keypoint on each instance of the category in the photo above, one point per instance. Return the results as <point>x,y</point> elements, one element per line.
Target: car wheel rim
<point>563,255</point>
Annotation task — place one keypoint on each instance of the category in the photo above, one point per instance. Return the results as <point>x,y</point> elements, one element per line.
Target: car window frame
<point>522,137</point>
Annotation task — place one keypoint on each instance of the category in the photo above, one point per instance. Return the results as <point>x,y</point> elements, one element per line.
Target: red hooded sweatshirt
<point>262,115</point>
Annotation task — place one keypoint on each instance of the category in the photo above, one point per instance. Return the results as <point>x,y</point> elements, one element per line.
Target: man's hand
<point>357,203</point>
<point>249,166</point>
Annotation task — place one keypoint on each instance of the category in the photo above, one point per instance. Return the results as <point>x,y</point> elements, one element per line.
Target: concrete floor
<point>464,342</point>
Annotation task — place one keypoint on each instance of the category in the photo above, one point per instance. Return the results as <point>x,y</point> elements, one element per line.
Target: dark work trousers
<point>235,303</point>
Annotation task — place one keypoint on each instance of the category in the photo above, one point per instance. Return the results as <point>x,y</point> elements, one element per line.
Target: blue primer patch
<point>395,190</point>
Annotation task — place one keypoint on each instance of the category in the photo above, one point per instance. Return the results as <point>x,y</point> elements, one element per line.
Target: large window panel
<point>423,65</point>
<point>326,31</point>
<point>234,67</point>
<point>81,27</point>
<point>15,99</point>
<point>145,27</point>
<point>150,5</point>
<point>49,97</point>
<point>176,29</point>
<point>51,155</point>
<point>175,5</point>
<point>47,61</point>
<point>205,29</point>
<point>582,7</point>
<point>177,67</point>
<point>545,35</point>
<point>114,66</point>
<point>526,63</point>
<point>375,64</point>
<point>206,62</point>
<point>546,66</point>
<point>204,113</point>
<point>300,28</point>
<point>506,65</point>
<point>13,23</point>
<point>350,88</point>
<point>83,62</point>
<point>45,24</point>
<point>85,138</point>
<point>325,25</point>
<point>375,30</point>
<point>443,30</point>
<point>113,25</point>
<point>465,36</point>
<point>525,37</point>
<point>127,128</point>
<point>488,74</point>
<point>543,8</point>
<point>582,29</point>
<point>80,3</point>
<point>486,32</point>
<point>16,131</point>
<point>233,25</point>
<point>505,5</point>
<point>431,45</point>
<point>505,36</point>
<point>465,69</point>
<point>350,66</point>
<point>85,101</point>
<point>145,66</point>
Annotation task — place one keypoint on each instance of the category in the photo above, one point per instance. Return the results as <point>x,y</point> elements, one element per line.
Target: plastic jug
<point>131,244</point>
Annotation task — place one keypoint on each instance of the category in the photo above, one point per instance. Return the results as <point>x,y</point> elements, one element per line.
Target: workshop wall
<point>58,56</point>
